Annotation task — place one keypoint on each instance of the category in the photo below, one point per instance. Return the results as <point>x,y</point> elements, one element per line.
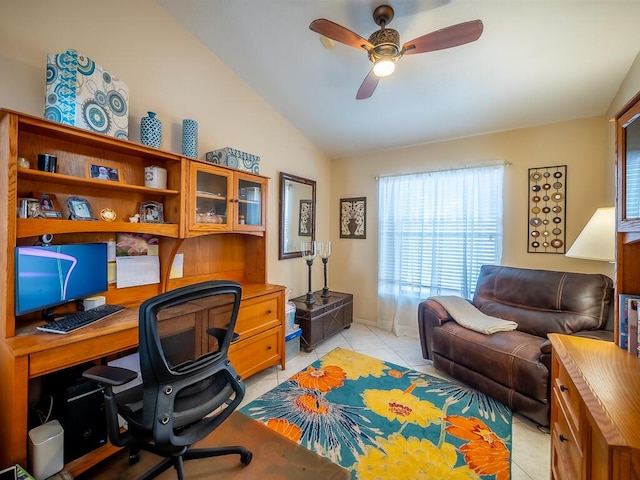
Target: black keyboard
<point>74,321</point>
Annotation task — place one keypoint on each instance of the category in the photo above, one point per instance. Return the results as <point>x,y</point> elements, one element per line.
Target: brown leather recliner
<point>514,367</point>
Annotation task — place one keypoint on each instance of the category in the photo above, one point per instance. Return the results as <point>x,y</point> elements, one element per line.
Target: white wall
<point>170,72</point>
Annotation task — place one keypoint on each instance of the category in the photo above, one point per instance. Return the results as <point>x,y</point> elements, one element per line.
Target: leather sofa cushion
<point>508,358</point>
<point>542,301</point>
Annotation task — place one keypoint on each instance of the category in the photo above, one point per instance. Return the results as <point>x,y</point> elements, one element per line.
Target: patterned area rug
<point>383,421</point>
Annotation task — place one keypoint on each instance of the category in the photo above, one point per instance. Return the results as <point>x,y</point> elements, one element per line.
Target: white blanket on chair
<point>468,316</point>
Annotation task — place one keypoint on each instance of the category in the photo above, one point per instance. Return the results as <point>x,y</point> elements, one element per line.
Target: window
<point>436,230</point>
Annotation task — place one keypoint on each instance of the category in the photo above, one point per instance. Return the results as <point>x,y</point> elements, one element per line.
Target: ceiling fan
<point>383,45</point>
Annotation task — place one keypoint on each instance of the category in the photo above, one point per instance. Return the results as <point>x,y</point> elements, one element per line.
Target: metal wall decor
<point>547,209</point>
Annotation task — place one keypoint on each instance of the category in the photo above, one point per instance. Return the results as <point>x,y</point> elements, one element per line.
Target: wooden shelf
<point>210,196</point>
<point>31,227</point>
<point>88,182</point>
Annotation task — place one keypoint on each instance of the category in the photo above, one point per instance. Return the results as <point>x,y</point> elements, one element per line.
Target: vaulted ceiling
<point>536,62</point>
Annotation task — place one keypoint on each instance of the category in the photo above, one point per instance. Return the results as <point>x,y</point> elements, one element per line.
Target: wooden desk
<point>31,354</point>
<point>324,317</point>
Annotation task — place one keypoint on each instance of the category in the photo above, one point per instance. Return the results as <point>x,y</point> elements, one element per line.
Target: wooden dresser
<point>595,410</point>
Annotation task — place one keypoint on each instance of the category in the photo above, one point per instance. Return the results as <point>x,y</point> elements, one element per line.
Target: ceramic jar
<point>151,130</point>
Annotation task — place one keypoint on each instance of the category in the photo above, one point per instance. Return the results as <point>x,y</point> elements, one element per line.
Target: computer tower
<point>85,426</point>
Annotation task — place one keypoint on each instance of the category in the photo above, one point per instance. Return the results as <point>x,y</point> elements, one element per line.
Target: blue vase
<point>190,138</point>
<point>151,130</point>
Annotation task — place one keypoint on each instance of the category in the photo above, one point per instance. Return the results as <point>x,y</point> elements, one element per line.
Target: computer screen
<point>47,276</point>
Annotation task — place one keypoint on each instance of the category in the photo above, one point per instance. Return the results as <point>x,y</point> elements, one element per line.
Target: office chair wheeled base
<point>177,460</point>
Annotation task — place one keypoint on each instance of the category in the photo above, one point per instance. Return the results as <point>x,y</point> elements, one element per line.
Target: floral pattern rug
<point>382,421</point>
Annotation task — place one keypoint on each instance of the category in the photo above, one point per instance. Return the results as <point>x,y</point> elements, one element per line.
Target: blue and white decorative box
<point>233,158</point>
<point>81,93</point>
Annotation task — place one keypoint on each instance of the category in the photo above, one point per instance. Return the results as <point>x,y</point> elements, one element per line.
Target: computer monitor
<point>48,276</point>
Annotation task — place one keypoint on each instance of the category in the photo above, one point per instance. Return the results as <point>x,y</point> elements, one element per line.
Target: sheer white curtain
<point>436,230</point>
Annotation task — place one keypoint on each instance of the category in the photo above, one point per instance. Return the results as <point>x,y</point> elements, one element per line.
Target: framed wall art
<point>547,209</point>
<point>353,217</point>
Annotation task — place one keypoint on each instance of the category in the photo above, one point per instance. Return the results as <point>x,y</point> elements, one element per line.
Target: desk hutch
<point>224,246</point>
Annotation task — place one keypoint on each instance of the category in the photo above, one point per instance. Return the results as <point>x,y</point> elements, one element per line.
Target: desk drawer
<point>256,353</point>
<point>568,397</point>
<point>257,315</point>
<point>567,449</point>
<point>54,359</point>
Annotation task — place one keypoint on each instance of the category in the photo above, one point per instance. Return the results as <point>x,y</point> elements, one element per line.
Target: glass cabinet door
<point>226,200</point>
<point>210,209</point>
<point>632,168</point>
<point>249,212</point>
<point>628,138</point>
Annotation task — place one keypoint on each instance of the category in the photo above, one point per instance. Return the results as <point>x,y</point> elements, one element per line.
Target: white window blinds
<point>437,229</point>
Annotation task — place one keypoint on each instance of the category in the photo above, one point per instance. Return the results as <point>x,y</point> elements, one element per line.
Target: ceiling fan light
<point>384,67</point>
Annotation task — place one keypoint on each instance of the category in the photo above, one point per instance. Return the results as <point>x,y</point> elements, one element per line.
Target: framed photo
<point>304,224</point>
<point>353,217</point>
<point>151,212</point>
<point>79,209</point>
<point>103,171</point>
<point>48,205</point>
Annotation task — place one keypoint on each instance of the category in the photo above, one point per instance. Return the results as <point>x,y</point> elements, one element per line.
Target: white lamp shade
<point>597,239</point>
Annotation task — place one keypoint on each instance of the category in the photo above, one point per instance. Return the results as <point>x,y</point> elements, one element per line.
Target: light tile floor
<point>530,447</point>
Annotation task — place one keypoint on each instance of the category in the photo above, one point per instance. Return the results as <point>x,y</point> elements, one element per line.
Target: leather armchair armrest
<point>430,315</point>
<point>605,335</point>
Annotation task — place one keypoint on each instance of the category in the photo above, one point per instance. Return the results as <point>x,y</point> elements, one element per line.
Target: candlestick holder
<point>325,253</point>
<point>309,251</point>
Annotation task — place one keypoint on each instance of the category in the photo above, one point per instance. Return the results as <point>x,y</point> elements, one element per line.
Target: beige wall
<point>170,72</point>
<point>579,144</point>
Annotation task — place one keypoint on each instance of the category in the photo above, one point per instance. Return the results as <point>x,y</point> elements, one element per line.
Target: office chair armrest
<point>219,333</point>
<point>112,376</point>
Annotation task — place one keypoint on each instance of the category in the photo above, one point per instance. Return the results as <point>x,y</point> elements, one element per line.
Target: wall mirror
<point>297,214</point>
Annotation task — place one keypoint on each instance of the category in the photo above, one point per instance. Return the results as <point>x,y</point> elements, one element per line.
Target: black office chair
<point>188,384</point>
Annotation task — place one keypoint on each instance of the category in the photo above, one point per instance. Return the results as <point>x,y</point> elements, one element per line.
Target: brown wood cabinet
<point>595,413</point>
<point>224,200</point>
<point>233,250</point>
<point>324,317</point>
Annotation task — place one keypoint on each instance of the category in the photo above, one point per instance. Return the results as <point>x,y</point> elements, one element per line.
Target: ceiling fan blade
<point>445,38</point>
<point>368,86</point>
<point>339,33</point>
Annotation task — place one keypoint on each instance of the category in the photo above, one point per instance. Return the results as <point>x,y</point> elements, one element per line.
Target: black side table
<point>324,317</point>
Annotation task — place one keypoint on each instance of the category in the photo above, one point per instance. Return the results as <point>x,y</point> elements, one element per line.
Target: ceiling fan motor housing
<point>386,41</point>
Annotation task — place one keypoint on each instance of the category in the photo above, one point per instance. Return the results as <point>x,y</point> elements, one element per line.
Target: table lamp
<point>597,239</point>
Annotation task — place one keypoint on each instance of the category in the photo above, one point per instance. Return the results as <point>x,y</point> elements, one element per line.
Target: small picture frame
<point>103,171</point>
<point>353,218</point>
<point>79,209</point>
<point>48,205</point>
<point>151,212</point>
